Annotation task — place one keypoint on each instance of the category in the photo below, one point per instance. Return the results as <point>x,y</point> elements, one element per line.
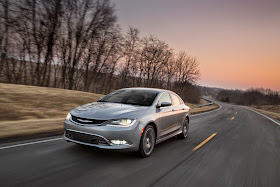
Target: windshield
<point>133,97</point>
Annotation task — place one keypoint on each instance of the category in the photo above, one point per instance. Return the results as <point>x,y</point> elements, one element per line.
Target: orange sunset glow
<point>237,42</point>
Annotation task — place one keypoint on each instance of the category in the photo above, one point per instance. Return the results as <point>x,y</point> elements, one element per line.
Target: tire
<point>147,142</point>
<point>185,130</point>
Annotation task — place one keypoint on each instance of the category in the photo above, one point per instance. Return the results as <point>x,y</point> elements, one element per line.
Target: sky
<point>237,42</point>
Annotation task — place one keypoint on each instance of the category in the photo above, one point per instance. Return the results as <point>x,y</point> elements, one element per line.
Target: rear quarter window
<point>175,99</point>
<point>165,98</point>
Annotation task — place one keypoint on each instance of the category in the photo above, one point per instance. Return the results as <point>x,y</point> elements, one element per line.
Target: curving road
<point>244,152</point>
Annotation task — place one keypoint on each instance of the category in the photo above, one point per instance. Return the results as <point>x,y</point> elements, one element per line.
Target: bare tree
<point>169,71</point>
<point>4,37</point>
<point>186,68</point>
<point>84,21</point>
<point>130,46</point>
<point>154,56</point>
<point>104,56</point>
<point>52,11</point>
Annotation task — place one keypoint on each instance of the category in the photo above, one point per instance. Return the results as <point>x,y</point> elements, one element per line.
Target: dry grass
<point>269,110</point>
<point>195,109</point>
<point>30,127</point>
<point>203,101</point>
<point>30,110</point>
<point>20,102</point>
<point>204,109</point>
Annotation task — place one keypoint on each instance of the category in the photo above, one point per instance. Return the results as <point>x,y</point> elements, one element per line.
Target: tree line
<point>252,96</point>
<point>78,45</point>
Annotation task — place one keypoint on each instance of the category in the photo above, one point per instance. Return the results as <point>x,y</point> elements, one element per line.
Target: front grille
<point>85,121</point>
<point>85,138</point>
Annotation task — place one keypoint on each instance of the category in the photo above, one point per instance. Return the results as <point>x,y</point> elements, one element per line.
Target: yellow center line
<point>204,142</point>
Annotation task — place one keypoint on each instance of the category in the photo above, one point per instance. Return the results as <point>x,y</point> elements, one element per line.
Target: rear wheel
<point>185,130</point>
<point>147,142</point>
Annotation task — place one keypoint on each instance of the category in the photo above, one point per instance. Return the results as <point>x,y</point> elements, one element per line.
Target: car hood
<point>105,111</point>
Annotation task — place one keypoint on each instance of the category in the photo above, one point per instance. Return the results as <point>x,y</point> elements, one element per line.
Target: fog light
<point>119,142</point>
<point>68,135</point>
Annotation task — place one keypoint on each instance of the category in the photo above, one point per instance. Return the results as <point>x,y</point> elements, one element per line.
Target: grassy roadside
<point>30,110</point>
<point>204,109</point>
<point>272,111</point>
<point>195,108</point>
<point>20,102</point>
<point>22,128</point>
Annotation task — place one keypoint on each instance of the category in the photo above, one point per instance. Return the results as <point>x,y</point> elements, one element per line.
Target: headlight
<point>120,122</point>
<point>68,116</point>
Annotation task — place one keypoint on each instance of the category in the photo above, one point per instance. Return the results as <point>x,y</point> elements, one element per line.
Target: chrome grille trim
<point>84,137</point>
<point>86,121</point>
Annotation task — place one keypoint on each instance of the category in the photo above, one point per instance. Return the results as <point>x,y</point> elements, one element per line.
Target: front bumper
<point>101,136</point>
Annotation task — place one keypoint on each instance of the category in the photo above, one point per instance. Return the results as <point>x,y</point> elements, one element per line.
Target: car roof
<point>149,89</point>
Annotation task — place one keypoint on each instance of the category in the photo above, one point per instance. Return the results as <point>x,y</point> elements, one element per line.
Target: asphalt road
<point>244,152</point>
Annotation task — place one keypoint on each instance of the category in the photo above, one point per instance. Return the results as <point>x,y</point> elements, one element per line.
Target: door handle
<point>173,110</point>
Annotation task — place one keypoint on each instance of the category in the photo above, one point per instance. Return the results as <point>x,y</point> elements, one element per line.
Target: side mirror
<point>100,98</point>
<point>164,104</point>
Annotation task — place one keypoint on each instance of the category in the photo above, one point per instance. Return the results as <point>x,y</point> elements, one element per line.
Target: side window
<point>176,100</point>
<point>165,98</point>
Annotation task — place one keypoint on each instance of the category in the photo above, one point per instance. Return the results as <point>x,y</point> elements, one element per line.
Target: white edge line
<point>29,143</point>
<point>208,111</point>
<point>263,115</point>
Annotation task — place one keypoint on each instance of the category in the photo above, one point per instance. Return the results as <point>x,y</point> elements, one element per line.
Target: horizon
<point>236,43</point>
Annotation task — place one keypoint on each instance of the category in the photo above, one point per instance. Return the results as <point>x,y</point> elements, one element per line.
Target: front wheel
<point>185,130</point>
<point>147,142</point>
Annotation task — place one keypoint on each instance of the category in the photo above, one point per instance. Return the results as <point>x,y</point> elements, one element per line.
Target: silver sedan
<point>131,119</point>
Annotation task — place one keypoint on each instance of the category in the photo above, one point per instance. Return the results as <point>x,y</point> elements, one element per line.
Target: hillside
<point>29,110</point>
<point>21,102</point>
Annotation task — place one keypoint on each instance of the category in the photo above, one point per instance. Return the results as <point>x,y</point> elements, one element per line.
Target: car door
<point>179,110</point>
<point>167,119</point>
